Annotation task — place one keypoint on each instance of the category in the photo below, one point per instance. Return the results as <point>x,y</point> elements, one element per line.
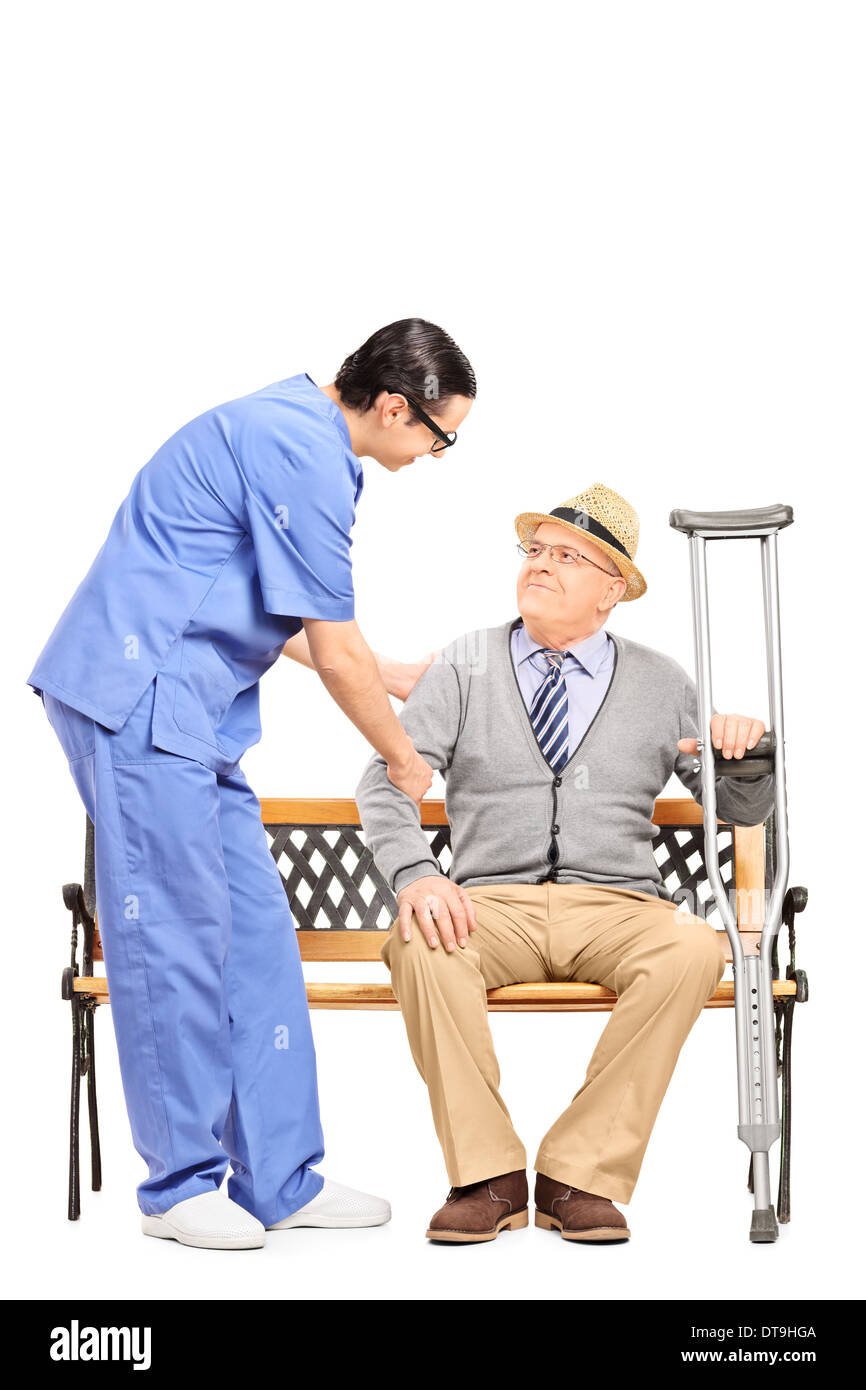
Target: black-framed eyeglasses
<point>560,554</point>
<point>444,440</point>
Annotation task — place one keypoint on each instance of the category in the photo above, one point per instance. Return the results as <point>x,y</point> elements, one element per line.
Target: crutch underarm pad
<point>748,522</point>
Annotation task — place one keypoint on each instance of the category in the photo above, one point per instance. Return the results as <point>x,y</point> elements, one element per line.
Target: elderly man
<point>554,738</point>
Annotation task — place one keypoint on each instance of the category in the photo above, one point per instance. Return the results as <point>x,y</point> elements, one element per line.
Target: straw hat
<point>609,522</point>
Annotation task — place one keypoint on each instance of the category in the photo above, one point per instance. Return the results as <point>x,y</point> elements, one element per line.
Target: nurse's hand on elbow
<point>413,775</point>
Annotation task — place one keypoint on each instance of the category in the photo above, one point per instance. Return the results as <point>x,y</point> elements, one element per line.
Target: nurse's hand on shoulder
<point>443,909</point>
<point>413,775</point>
<point>401,676</point>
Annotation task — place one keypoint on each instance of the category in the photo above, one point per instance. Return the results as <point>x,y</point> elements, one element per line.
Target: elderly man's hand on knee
<point>443,909</point>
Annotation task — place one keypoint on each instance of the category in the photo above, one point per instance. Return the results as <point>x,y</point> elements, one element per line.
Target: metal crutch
<point>753,974</point>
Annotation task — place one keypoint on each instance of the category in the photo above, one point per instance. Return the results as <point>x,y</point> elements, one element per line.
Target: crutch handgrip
<point>755,762</point>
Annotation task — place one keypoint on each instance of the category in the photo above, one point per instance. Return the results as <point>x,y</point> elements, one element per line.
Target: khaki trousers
<point>663,965</point>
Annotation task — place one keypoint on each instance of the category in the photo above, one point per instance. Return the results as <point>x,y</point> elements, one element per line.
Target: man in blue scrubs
<point>232,546</point>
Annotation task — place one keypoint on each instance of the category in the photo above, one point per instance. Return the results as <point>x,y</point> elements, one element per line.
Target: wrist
<point>413,874</point>
<point>403,756</point>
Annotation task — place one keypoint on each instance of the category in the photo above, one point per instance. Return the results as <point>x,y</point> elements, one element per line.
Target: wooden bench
<point>343,907</point>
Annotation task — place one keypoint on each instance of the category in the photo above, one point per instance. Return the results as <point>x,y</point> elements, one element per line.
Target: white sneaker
<point>336,1205</point>
<point>210,1220</point>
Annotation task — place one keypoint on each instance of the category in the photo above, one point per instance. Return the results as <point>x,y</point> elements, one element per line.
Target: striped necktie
<point>549,712</point>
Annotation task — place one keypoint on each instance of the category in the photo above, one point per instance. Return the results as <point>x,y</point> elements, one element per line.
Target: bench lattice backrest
<point>341,903</point>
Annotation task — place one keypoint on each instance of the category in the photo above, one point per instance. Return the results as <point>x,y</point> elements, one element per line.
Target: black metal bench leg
<point>93,1116</point>
<point>783,1206</point>
<point>74,1209</point>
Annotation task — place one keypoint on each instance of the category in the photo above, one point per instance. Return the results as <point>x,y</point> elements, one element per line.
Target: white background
<point>644,224</point>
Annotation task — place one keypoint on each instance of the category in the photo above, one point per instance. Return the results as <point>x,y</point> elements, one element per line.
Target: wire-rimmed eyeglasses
<point>560,554</point>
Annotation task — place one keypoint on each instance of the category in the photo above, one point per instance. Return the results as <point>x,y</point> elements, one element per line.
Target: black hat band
<point>588,523</point>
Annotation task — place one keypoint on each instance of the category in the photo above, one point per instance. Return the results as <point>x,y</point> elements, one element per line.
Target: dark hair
<point>412,357</point>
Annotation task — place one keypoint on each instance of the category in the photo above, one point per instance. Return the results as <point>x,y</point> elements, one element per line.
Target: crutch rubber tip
<point>764,1225</point>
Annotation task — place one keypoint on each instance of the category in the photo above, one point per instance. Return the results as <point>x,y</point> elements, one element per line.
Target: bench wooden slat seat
<point>541,996</point>
<point>342,908</point>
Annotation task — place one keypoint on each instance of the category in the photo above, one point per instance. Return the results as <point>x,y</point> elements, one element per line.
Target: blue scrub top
<point>234,531</point>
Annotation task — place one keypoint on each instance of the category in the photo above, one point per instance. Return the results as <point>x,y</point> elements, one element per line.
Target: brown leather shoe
<point>575,1214</point>
<point>483,1209</point>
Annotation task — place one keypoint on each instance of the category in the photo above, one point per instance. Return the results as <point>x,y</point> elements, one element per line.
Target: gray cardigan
<point>512,819</point>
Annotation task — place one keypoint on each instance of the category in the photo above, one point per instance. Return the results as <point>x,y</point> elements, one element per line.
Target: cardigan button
<point>557,781</point>
<point>554,830</point>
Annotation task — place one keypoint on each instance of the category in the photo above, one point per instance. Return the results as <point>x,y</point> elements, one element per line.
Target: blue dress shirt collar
<point>589,653</point>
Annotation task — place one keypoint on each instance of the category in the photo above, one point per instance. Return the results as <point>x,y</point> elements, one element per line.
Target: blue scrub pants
<point>204,973</point>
